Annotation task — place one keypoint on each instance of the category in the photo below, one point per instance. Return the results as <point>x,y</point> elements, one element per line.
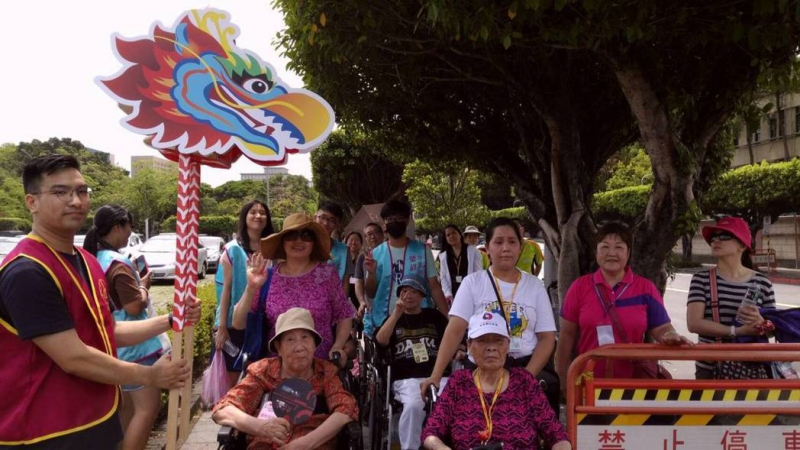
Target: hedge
<point>213,225</point>
<point>626,203</point>
<point>15,224</point>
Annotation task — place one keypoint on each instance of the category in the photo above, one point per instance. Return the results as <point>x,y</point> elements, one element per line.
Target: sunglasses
<point>721,237</point>
<point>303,235</point>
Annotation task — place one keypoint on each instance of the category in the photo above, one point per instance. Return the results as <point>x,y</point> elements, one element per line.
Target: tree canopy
<point>543,92</point>
<point>354,171</point>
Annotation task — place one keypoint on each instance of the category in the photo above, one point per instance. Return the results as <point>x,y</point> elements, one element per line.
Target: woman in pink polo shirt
<point>611,306</point>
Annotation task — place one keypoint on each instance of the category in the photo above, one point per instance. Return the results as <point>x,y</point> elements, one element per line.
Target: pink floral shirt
<point>320,291</point>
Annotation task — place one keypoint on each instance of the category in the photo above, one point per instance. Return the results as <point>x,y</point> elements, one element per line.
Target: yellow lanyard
<point>507,313</point>
<point>486,434</point>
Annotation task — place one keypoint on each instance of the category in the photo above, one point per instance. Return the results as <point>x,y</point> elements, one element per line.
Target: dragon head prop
<point>192,91</point>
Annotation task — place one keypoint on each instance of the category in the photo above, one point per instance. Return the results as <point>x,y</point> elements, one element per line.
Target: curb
<point>783,280</point>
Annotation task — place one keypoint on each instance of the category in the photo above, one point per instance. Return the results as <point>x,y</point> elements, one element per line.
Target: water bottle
<point>750,299</point>
<point>230,348</point>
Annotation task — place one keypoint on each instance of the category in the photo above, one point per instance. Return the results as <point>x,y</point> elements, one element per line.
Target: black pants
<point>547,378</point>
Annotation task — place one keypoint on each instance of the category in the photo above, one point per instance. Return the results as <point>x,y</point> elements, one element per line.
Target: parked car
<point>134,242</point>
<point>6,245</point>
<point>214,246</point>
<point>160,253</point>
<point>78,240</point>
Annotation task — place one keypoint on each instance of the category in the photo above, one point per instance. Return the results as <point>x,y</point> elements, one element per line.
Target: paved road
<point>787,296</point>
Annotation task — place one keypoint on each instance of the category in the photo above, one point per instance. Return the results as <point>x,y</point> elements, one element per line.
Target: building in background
<point>268,172</point>
<point>107,157</point>
<point>770,141</point>
<point>151,162</point>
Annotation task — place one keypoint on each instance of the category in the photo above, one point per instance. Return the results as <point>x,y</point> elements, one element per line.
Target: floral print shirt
<point>520,417</point>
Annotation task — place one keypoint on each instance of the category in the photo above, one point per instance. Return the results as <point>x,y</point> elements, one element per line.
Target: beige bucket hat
<point>294,319</point>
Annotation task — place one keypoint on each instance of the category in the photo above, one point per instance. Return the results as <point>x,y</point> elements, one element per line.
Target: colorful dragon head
<point>191,90</point>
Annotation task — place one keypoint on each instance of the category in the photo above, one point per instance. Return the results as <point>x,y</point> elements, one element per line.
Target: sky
<point>54,51</point>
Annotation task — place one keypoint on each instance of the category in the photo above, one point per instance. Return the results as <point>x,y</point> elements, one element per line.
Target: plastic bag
<point>215,380</point>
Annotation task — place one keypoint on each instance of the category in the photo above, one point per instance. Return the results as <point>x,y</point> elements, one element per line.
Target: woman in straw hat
<point>295,341</point>
<point>302,279</point>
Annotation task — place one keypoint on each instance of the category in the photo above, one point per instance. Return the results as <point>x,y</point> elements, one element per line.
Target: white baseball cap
<point>487,323</point>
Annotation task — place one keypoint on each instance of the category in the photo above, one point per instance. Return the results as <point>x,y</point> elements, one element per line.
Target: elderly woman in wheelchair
<point>242,408</point>
<point>492,407</point>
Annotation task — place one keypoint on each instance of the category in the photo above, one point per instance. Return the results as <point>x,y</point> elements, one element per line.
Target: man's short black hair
<point>395,208</point>
<point>38,168</point>
<point>332,208</point>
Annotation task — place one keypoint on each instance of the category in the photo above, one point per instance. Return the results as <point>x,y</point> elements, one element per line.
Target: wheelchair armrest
<point>353,435</point>
<point>224,435</point>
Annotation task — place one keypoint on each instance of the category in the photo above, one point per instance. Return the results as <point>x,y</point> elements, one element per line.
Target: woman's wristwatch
<point>732,333</point>
<point>170,320</point>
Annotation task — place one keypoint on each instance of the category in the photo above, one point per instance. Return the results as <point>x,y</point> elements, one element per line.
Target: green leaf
<point>484,32</point>
<point>516,35</point>
<point>323,19</point>
<point>361,39</point>
<point>507,42</point>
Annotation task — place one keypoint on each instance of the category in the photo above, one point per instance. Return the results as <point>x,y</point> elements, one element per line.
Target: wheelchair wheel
<point>377,419</point>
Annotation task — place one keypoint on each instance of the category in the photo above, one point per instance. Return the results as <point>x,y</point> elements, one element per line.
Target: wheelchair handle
<point>433,393</point>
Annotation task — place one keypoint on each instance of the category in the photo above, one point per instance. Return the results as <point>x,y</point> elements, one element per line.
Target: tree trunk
<point>750,144</point>
<point>686,246</point>
<point>671,195</point>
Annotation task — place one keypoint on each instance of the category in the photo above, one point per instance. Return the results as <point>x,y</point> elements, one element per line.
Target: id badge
<point>267,412</point>
<point>605,335</point>
<point>420,352</point>
<point>458,278</point>
<point>516,344</point>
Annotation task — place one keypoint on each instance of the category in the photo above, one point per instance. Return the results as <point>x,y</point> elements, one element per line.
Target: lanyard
<point>602,300</point>
<point>498,291</point>
<point>392,276</point>
<point>486,433</point>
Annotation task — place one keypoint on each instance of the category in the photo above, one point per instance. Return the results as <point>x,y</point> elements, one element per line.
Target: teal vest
<point>415,263</point>
<point>150,347</point>
<point>340,253</point>
<point>238,258</point>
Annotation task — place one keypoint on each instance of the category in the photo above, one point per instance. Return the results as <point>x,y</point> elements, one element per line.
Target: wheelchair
<point>349,438</point>
<point>382,408</point>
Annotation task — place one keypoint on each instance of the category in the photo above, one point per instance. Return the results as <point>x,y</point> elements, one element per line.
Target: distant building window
<point>757,134</point>
<point>797,119</point>
<point>736,141</point>
<point>773,128</point>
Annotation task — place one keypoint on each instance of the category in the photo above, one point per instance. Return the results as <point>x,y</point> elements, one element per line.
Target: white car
<point>214,246</point>
<point>160,254</point>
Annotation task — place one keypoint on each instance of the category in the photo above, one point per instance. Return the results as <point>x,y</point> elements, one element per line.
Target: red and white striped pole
<point>187,229</point>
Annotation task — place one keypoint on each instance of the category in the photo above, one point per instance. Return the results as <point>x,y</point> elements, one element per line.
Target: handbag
<point>642,368</point>
<point>732,370</point>
<point>255,330</point>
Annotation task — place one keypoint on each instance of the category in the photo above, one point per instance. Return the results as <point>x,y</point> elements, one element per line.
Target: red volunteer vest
<point>38,400</point>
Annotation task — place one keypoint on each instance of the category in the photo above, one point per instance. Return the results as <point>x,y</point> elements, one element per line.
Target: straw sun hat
<point>272,245</point>
<point>294,319</point>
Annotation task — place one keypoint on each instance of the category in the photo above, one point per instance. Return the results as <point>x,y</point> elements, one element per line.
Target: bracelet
<point>732,333</point>
<point>170,320</point>
<point>765,327</point>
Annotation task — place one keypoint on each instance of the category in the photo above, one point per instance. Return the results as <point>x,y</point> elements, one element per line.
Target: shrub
<point>625,204</point>
<point>213,225</point>
<point>15,224</point>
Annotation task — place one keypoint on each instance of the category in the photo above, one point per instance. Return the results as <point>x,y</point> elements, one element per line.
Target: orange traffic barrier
<point>621,404</point>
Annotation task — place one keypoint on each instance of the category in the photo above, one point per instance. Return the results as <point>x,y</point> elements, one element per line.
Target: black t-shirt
<point>31,302</point>
<point>423,330</point>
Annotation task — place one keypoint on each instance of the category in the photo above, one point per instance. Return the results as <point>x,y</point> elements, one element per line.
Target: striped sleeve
<point>699,287</point>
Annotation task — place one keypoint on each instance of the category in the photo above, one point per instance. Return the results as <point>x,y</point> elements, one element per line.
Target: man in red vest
<point>59,374</point>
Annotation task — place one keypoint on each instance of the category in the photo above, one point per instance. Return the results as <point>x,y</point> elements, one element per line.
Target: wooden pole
<point>187,228</point>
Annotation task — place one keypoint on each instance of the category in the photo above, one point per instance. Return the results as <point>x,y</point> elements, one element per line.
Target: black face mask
<point>396,229</point>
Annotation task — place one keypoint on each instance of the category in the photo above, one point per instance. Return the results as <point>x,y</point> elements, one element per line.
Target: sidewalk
<point>203,435</point>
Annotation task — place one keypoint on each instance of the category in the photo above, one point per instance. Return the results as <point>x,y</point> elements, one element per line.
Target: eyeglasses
<point>65,195</point>
<point>327,219</point>
<point>303,235</point>
<point>721,237</point>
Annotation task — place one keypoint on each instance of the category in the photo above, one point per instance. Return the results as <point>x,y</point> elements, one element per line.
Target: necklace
<point>486,433</point>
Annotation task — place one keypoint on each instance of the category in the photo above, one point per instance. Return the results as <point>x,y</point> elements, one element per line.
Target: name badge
<point>267,412</point>
<point>516,344</point>
<point>458,279</point>
<point>420,352</point>
<point>605,335</point>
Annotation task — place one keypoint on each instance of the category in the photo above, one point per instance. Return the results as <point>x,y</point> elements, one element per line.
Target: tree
<point>353,171</point>
<point>544,92</point>
<point>444,194</point>
<point>150,194</point>
<point>290,194</point>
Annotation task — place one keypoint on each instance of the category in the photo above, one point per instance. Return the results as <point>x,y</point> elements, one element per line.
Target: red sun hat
<point>733,225</point>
